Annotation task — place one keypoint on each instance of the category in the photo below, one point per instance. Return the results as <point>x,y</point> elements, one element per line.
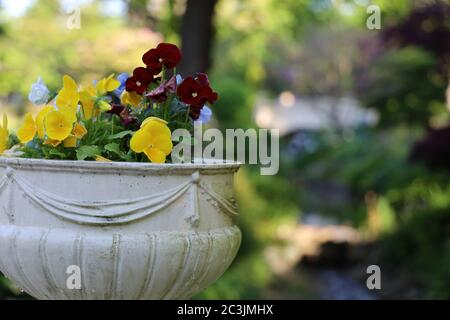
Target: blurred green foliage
<point>383,168</point>
<point>405,87</point>
<point>412,202</point>
<point>234,108</point>
<point>262,207</point>
<point>308,47</point>
<point>40,44</point>
<point>422,246</point>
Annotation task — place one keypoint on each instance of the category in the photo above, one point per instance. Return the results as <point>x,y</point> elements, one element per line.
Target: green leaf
<point>31,153</point>
<point>115,148</point>
<point>57,153</point>
<point>88,152</point>
<point>120,135</point>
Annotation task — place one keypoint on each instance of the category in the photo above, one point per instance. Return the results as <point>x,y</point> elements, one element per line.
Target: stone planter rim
<point>206,166</point>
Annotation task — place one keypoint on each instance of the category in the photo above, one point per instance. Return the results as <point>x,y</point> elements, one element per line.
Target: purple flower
<point>39,93</point>
<point>179,79</point>
<point>160,93</point>
<point>205,115</point>
<point>125,117</point>
<point>122,79</point>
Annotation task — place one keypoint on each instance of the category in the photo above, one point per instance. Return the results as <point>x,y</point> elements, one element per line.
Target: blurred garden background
<point>363,118</point>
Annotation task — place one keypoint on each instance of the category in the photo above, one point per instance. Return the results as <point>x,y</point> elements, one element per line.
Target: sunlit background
<point>363,119</point>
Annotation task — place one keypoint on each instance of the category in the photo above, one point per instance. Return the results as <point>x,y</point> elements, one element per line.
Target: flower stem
<point>187,115</point>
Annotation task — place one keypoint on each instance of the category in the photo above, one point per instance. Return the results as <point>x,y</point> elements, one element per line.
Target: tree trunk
<point>197,33</point>
<point>138,14</point>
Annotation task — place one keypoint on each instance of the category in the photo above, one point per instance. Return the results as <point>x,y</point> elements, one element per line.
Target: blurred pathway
<point>319,260</point>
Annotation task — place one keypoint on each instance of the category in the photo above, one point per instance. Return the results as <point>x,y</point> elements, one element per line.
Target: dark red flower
<point>122,112</point>
<point>195,92</point>
<point>165,54</point>
<point>194,112</point>
<point>140,80</point>
<point>116,109</point>
<point>161,93</point>
<point>127,119</point>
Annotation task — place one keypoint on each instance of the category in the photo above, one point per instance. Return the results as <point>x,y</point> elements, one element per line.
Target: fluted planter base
<point>135,231</point>
<point>156,265</point>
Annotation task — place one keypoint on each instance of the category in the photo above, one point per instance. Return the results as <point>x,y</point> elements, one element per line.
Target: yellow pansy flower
<point>31,126</point>
<point>107,85</point>
<point>154,139</point>
<point>101,159</point>
<point>130,98</point>
<point>68,98</point>
<point>4,136</point>
<point>58,125</point>
<point>52,142</point>
<point>90,95</point>
<point>153,119</point>
<point>79,131</point>
<point>104,106</point>
<point>70,142</point>
<point>28,129</point>
<point>40,120</point>
<point>87,98</point>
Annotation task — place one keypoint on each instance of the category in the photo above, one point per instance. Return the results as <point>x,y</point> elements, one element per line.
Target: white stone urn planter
<point>136,231</point>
